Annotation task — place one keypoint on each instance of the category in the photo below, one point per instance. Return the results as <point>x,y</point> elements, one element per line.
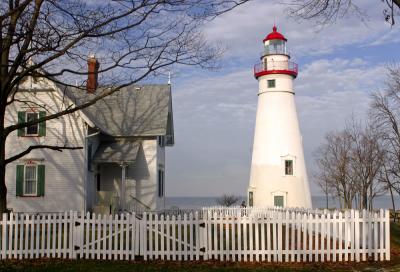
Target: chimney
<point>93,68</point>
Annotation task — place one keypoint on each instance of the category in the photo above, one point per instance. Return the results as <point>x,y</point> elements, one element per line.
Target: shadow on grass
<point>125,266</point>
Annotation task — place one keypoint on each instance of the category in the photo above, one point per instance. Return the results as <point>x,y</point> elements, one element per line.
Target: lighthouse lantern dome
<point>275,43</point>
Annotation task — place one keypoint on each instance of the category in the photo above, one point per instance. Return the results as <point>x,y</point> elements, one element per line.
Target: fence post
<point>143,231</point>
<point>387,235</point>
<point>381,234</point>
<point>73,234</point>
<point>356,237</point>
<point>364,234</point>
<point>4,237</point>
<point>205,236</point>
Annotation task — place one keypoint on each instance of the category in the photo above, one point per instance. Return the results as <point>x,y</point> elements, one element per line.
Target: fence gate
<point>173,237</point>
<point>105,237</point>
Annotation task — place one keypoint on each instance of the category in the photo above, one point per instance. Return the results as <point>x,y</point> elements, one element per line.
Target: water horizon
<point>318,201</point>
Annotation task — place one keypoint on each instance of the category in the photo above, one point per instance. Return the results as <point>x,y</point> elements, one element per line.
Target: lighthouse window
<point>278,201</point>
<point>271,83</point>
<point>289,167</point>
<point>251,199</point>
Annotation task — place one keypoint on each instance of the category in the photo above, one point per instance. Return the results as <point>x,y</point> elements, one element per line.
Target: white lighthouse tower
<point>278,173</point>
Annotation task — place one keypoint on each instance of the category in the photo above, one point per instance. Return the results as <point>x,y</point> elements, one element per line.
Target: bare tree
<point>333,160</point>
<point>350,163</point>
<point>133,39</point>
<point>367,158</point>
<point>227,200</point>
<point>328,11</point>
<point>385,113</point>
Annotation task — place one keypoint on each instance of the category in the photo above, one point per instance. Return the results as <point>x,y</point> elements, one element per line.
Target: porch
<point>122,178</point>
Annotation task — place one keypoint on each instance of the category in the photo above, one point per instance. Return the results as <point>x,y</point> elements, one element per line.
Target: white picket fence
<point>248,234</point>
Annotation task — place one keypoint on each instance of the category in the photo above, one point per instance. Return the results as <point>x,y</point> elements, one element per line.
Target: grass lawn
<point>117,266</point>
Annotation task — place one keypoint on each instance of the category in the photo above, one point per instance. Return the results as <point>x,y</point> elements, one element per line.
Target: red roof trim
<point>274,35</point>
<point>287,72</point>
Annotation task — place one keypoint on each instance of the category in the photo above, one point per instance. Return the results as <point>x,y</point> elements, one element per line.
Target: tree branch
<point>29,149</point>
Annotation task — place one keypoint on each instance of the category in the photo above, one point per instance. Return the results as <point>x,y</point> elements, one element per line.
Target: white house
<point>278,174</point>
<point>120,163</point>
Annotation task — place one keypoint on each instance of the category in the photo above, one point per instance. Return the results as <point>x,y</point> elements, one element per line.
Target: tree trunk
<point>393,205</point>
<point>3,188</point>
<point>327,200</point>
<point>364,200</point>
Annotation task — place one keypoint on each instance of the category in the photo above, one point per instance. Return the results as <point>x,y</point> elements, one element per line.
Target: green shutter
<point>41,180</point>
<point>42,125</point>
<point>21,119</point>
<point>20,180</point>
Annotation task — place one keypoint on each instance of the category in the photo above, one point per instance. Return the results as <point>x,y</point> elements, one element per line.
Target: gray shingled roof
<point>136,110</point>
<point>117,151</point>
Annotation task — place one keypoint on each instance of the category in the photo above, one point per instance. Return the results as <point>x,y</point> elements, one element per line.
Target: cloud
<point>215,114</point>
<point>243,29</point>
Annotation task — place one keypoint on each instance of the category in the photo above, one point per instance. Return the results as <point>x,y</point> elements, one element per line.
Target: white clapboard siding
<point>234,234</point>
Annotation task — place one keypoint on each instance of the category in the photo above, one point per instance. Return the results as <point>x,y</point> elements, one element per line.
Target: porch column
<point>123,166</point>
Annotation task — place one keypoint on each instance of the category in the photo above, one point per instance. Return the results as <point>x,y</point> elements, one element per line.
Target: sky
<point>215,111</point>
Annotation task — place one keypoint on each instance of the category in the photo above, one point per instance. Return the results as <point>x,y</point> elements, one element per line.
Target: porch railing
<point>137,206</point>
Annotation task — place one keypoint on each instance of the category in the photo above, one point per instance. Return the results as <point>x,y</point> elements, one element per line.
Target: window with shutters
<point>32,130</point>
<point>30,179</point>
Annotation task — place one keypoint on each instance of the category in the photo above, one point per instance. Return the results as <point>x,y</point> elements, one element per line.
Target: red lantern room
<point>275,46</point>
<point>274,35</point>
<point>275,43</point>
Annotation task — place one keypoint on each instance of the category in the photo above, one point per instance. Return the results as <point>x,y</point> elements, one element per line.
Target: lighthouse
<point>278,175</point>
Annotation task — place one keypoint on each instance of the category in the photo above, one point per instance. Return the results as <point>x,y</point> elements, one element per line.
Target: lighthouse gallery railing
<point>275,66</point>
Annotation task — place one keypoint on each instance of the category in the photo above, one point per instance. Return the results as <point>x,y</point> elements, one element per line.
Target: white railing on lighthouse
<point>271,65</point>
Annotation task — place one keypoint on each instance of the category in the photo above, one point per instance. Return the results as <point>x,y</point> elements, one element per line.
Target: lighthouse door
<point>278,201</point>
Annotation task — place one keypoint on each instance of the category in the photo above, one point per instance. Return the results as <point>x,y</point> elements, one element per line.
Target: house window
<point>32,130</point>
<point>271,83</point>
<point>161,141</point>
<point>289,167</point>
<point>89,158</point>
<point>35,129</point>
<point>250,199</point>
<point>98,182</point>
<point>161,177</point>
<point>30,179</point>
<point>278,201</point>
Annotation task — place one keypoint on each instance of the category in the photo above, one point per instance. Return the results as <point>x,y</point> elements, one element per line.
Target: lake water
<point>318,202</point>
